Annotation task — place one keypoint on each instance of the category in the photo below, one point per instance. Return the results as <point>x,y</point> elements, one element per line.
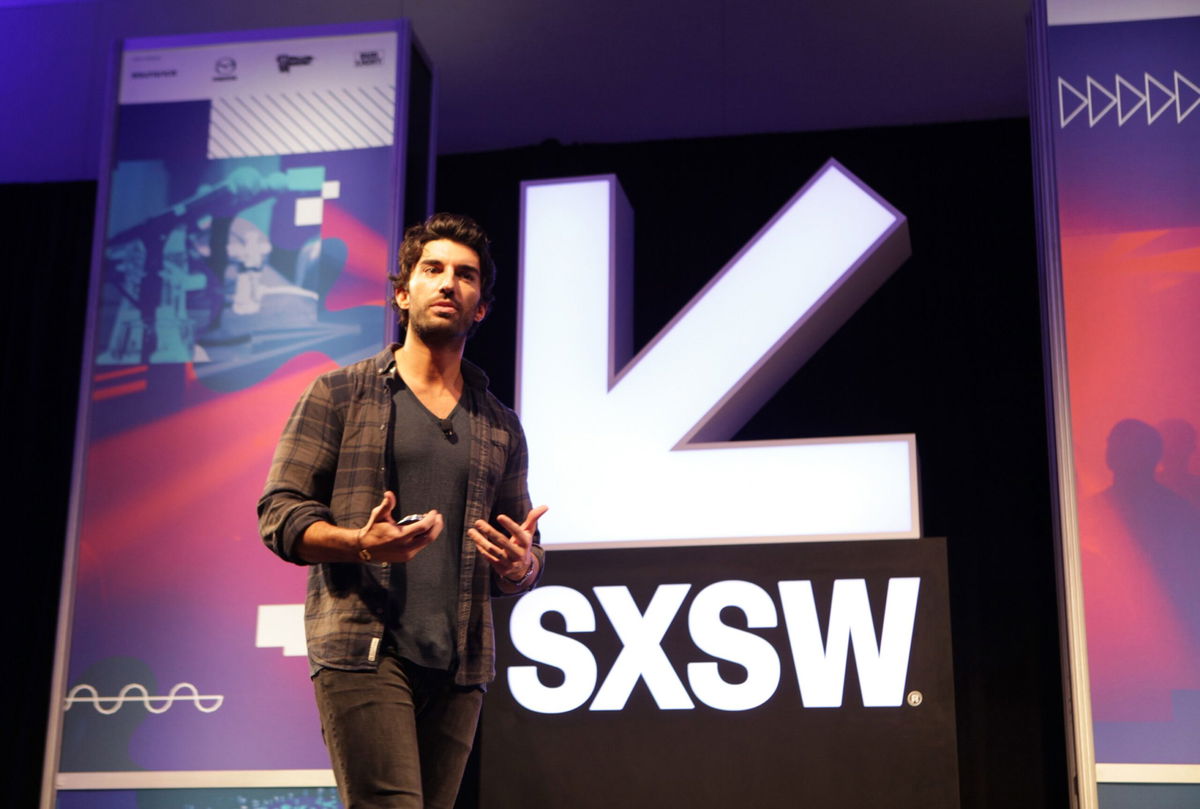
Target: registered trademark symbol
<point>915,698</point>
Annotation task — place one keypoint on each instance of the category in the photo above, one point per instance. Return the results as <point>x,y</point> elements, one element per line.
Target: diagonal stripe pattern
<point>301,122</point>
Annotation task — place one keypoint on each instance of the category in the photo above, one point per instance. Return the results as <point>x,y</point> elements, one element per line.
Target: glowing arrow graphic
<point>635,452</point>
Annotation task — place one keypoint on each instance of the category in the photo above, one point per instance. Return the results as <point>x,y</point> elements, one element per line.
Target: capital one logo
<point>820,665</point>
<point>635,450</point>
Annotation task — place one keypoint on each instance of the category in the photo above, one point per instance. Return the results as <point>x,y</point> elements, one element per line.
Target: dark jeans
<point>398,737</point>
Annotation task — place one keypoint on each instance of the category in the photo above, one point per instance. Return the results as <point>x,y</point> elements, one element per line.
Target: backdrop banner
<point>251,207</point>
<point>1122,109</point>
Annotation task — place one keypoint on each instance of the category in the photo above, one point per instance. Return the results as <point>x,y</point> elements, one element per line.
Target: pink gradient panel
<point>1129,223</point>
<point>175,561</point>
<point>359,284</point>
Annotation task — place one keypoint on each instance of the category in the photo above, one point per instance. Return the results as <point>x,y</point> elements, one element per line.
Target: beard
<point>438,330</point>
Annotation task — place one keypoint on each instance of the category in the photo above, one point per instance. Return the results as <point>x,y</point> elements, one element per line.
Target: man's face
<point>442,298</point>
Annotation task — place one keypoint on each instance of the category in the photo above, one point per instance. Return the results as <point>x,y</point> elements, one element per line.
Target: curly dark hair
<point>456,228</point>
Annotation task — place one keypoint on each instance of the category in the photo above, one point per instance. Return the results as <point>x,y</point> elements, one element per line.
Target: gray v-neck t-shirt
<point>430,466</point>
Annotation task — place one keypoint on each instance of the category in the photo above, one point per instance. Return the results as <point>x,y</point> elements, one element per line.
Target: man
<point>398,617</point>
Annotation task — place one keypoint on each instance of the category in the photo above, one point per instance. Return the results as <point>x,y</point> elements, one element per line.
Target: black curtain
<point>47,232</point>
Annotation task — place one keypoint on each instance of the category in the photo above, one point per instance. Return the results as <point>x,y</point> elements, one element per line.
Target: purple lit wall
<point>521,72</point>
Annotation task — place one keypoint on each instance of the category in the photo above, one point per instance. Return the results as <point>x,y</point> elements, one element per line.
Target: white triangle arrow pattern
<point>1127,98</point>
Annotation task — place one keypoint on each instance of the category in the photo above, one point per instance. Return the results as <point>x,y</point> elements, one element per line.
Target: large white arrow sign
<point>636,451</point>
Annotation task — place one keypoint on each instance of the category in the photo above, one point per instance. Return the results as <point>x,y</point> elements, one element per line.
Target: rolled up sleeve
<point>299,486</point>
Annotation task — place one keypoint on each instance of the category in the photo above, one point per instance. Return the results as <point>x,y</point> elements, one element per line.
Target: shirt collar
<point>385,365</point>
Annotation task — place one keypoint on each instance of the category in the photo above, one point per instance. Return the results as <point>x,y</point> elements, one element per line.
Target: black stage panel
<point>779,754</point>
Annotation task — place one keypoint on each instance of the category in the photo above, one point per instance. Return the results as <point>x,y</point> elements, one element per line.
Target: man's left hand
<point>509,554</point>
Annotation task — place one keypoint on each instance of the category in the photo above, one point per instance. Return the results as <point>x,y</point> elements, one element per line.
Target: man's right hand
<point>381,540</point>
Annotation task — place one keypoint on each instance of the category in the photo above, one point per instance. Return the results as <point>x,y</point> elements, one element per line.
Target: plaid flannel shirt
<point>332,464</point>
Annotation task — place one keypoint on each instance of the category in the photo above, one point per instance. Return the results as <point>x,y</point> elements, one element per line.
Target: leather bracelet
<point>528,573</point>
<point>363,553</point>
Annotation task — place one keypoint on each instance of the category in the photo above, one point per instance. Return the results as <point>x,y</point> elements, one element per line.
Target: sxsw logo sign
<point>635,450</point>
<point>818,654</point>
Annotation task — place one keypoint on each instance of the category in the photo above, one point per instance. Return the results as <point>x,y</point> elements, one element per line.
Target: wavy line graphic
<point>136,692</point>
